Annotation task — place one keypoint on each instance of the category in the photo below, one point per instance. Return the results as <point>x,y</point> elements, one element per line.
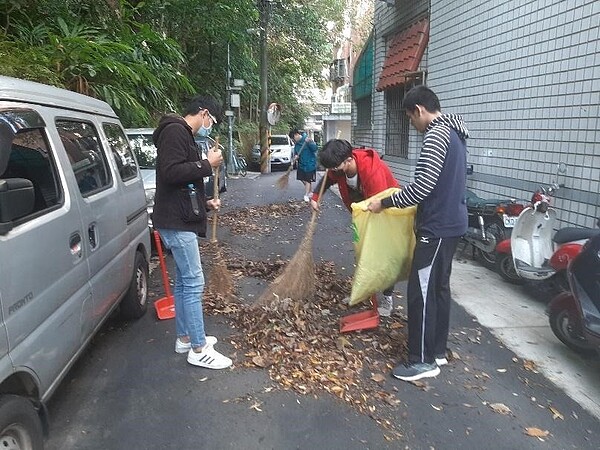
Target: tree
<point>145,57</point>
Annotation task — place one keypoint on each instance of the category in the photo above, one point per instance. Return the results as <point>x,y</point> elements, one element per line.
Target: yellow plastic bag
<point>384,245</point>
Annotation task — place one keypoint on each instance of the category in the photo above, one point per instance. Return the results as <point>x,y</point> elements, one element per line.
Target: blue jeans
<point>189,284</point>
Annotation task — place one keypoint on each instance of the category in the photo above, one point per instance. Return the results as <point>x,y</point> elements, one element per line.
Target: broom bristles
<point>297,281</point>
<point>283,180</point>
<point>220,281</point>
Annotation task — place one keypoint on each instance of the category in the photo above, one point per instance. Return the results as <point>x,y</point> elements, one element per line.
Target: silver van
<point>74,243</point>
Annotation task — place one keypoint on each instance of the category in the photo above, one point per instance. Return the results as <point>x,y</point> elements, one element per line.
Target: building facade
<point>525,75</point>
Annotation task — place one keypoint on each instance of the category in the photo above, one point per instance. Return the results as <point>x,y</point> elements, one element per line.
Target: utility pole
<point>233,101</point>
<point>230,166</point>
<point>263,129</point>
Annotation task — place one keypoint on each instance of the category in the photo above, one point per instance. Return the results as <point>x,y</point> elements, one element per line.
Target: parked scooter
<point>575,314</point>
<point>490,222</point>
<point>533,252</point>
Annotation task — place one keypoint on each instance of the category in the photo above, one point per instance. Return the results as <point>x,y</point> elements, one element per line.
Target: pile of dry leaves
<point>255,219</point>
<point>301,346</point>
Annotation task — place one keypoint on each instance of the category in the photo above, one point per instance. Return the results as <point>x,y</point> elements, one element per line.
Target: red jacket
<point>374,176</point>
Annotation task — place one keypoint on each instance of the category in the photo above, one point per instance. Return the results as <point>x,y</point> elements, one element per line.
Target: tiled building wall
<point>388,20</point>
<point>525,74</point>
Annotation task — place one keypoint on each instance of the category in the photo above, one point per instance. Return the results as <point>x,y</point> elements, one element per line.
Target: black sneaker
<point>412,371</point>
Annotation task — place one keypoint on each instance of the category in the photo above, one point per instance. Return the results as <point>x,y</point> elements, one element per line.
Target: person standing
<point>359,175</point>
<point>305,152</point>
<point>438,191</point>
<point>180,217</point>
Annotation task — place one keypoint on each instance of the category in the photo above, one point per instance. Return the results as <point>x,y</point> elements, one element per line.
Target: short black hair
<point>200,102</point>
<point>421,95</point>
<point>335,152</point>
<point>294,132</point>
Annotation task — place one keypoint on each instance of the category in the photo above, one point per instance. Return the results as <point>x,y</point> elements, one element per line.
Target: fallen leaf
<point>500,408</point>
<point>530,365</point>
<point>392,400</point>
<point>255,407</point>
<point>261,362</point>
<point>555,413</point>
<point>421,385</point>
<point>501,370</point>
<point>437,408</point>
<point>204,379</point>
<point>536,432</point>
<point>378,377</point>
<point>342,343</point>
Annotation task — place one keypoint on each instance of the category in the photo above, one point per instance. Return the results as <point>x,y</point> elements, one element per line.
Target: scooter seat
<point>571,234</point>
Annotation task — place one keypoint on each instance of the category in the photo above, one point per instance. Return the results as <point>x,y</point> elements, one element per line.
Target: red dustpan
<point>165,307</point>
<point>361,321</point>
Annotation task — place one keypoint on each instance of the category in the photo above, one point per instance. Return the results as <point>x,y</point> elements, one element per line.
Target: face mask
<point>203,131</point>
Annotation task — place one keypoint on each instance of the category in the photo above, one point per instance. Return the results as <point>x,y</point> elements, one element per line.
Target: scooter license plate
<point>509,221</point>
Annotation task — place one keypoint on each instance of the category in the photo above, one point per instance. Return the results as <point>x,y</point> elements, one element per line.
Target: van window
<point>121,151</point>
<point>88,161</point>
<point>30,158</point>
<point>144,149</point>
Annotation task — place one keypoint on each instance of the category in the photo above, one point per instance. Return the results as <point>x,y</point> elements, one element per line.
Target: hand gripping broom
<point>297,281</point>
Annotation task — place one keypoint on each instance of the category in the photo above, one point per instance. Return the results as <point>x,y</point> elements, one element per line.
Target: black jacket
<point>178,164</point>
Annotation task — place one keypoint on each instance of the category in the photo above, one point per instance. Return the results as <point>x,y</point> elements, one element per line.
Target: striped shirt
<point>440,179</point>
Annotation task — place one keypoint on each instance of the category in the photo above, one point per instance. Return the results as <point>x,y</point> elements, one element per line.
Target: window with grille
<point>397,123</point>
<point>363,112</point>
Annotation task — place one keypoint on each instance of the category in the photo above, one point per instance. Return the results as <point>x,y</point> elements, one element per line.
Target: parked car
<point>281,152</point>
<point>145,152</point>
<point>73,240</point>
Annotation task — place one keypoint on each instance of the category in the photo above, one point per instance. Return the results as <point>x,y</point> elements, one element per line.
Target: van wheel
<point>135,302</point>
<point>20,425</point>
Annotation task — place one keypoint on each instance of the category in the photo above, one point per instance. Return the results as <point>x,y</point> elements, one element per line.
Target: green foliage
<point>145,57</point>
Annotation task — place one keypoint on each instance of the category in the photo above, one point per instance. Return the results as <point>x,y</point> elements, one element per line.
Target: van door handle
<point>93,236</point>
<point>75,245</point>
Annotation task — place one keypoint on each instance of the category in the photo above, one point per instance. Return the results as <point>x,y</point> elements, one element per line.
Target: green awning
<point>362,81</point>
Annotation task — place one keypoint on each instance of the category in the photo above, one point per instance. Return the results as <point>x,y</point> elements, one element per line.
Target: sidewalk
<point>519,322</point>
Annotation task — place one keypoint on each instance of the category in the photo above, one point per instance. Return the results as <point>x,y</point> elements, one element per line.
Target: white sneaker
<point>184,347</point>
<point>306,198</point>
<point>385,307</point>
<point>209,358</point>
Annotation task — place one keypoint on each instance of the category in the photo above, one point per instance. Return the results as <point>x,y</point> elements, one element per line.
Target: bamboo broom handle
<point>215,197</point>
<point>321,190</point>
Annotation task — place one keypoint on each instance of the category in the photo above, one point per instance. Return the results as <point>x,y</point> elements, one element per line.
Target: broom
<point>297,281</point>
<point>220,279</point>
<point>284,179</point>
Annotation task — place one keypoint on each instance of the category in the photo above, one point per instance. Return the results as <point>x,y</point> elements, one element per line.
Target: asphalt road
<point>131,391</point>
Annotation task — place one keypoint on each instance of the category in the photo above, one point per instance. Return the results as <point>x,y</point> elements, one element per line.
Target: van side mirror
<point>16,200</point>
<point>470,169</point>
